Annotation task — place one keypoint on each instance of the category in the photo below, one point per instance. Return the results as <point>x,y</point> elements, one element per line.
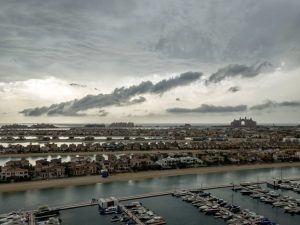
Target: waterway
<point>174,210</point>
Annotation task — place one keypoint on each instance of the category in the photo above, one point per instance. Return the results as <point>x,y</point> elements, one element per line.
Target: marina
<point>284,185</point>
<point>155,194</point>
<point>199,197</point>
<point>219,208</point>
<point>289,204</point>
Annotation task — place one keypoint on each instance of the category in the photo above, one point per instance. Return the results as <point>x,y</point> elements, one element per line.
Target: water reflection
<point>74,194</point>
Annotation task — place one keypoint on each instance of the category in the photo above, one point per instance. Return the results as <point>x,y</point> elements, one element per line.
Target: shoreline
<point>87,180</point>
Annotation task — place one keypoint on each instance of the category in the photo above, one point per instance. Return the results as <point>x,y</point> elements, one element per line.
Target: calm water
<point>174,210</point>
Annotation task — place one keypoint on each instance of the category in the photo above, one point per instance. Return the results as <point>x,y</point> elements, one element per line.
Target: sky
<point>167,61</point>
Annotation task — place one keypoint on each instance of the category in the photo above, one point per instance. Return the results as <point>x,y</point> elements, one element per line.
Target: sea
<point>174,210</point>
<point>154,125</point>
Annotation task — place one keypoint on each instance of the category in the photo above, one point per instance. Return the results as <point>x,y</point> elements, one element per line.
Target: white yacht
<point>50,221</point>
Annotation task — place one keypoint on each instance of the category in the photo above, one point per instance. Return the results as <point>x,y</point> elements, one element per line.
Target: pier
<point>133,217</point>
<point>31,219</point>
<point>75,206</point>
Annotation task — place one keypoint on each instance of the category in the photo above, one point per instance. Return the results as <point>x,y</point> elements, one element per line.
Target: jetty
<point>31,219</point>
<point>76,205</point>
<point>132,216</point>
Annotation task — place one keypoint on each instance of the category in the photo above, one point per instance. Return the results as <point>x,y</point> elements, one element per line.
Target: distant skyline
<point>169,61</point>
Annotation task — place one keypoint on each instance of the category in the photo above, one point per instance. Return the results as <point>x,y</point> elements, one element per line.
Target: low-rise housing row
<point>147,146</point>
<point>18,170</point>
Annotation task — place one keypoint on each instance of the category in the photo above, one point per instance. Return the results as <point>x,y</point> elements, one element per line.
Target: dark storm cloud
<point>274,104</point>
<point>119,97</point>
<point>102,113</point>
<point>65,38</point>
<point>77,85</point>
<point>233,89</point>
<point>204,108</point>
<point>183,79</point>
<point>239,70</point>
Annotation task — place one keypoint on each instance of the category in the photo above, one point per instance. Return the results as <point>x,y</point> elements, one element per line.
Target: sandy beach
<point>74,181</point>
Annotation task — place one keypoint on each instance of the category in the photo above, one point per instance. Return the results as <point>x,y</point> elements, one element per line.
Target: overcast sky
<point>194,61</point>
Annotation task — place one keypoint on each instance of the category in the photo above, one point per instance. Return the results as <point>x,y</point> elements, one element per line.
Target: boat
<point>227,217</point>
<point>13,218</point>
<point>50,221</point>
<point>265,221</point>
<point>256,195</point>
<point>273,194</point>
<point>45,211</point>
<point>156,220</point>
<point>204,207</point>
<point>211,211</point>
<point>275,183</point>
<point>237,188</point>
<point>295,210</point>
<point>13,223</point>
<point>269,200</point>
<point>296,189</point>
<point>204,194</point>
<point>263,190</point>
<point>130,222</point>
<point>144,217</point>
<point>234,208</point>
<point>179,193</point>
<point>133,205</point>
<point>285,186</point>
<point>115,219</point>
<point>245,184</point>
<point>3,220</point>
<point>7,215</point>
<point>222,204</point>
<point>124,218</point>
<point>279,204</point>
<point>246,192</point>
<point>110,210</point>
